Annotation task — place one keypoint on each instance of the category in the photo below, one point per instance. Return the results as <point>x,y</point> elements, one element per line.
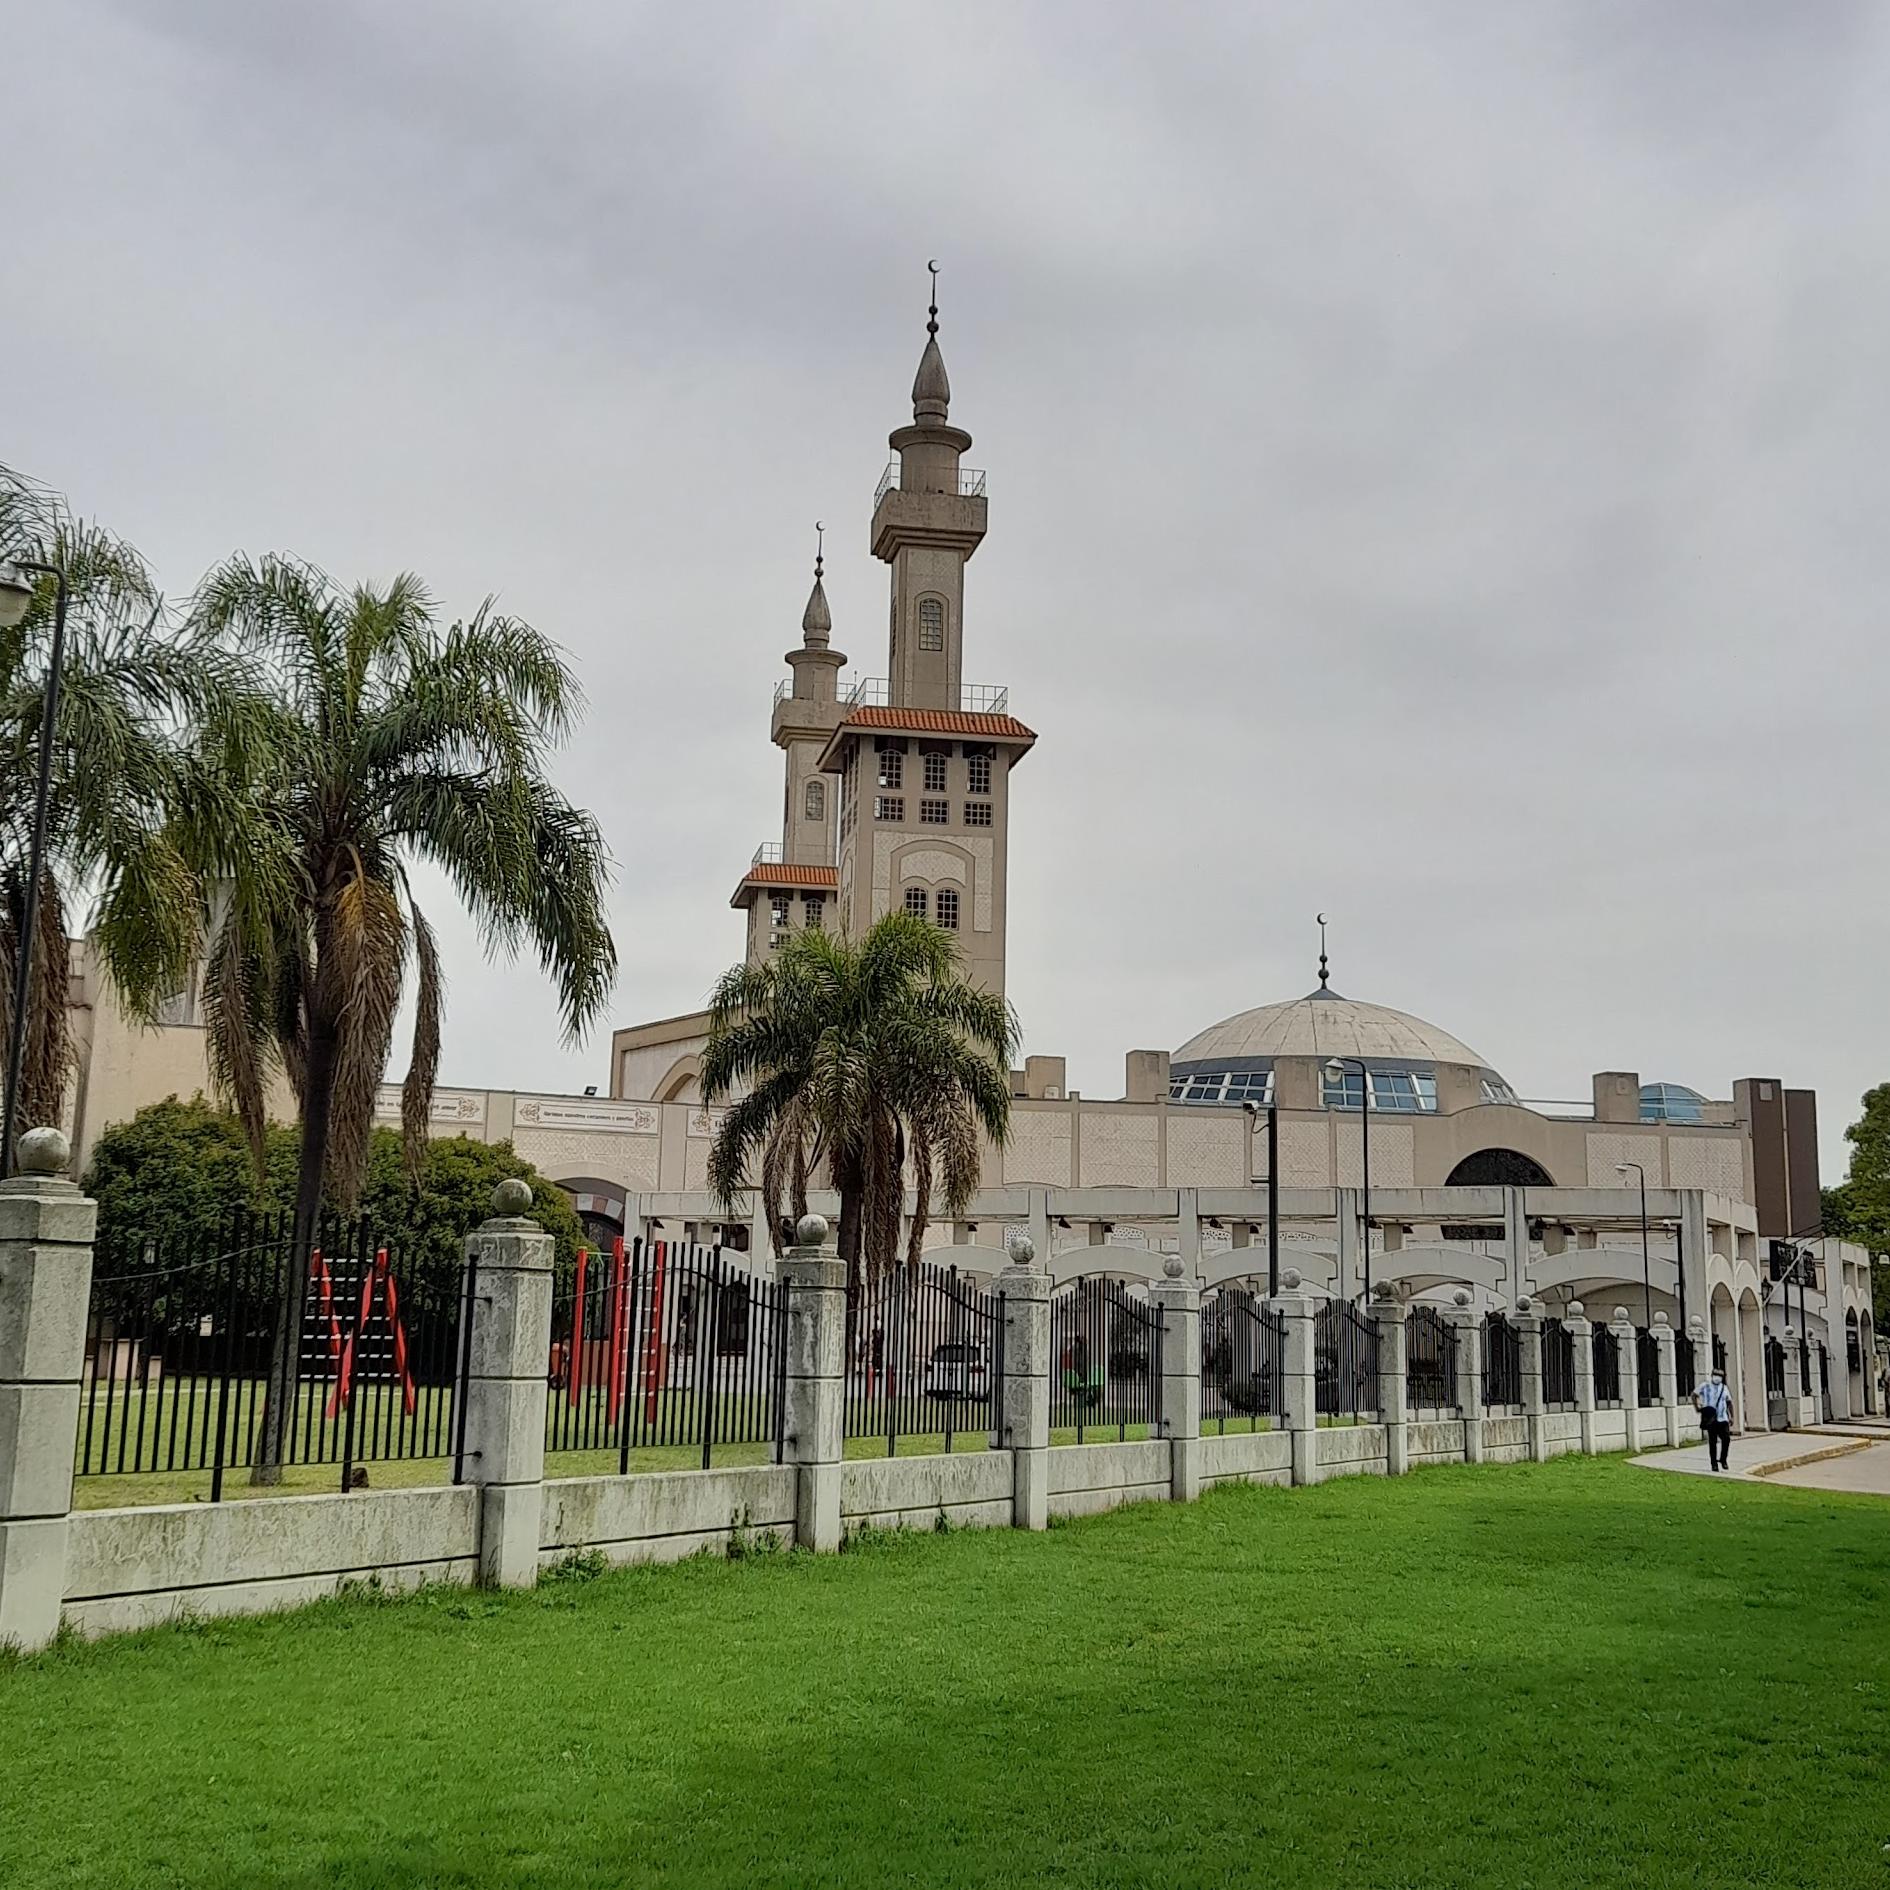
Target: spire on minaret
<point>817,619</point>
<point>931,389</point>
<point>1324,990</point>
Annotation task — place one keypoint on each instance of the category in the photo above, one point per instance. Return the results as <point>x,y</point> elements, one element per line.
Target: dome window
<point>1671,1102</point>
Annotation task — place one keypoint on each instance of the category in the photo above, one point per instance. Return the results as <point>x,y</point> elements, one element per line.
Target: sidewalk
<point>1863,1465</point>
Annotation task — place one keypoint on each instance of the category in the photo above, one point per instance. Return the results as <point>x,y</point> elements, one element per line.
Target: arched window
<point>916,901</point>
<point>817,800</point>
<point>1498,1168</point>
<point>931,623</point>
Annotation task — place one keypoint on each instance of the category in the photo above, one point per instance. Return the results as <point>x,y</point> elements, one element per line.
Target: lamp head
<point>1335,1072</point>
<point>16,595</point>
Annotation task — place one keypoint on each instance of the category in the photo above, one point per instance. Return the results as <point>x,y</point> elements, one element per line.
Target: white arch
<point>1129,1263</point>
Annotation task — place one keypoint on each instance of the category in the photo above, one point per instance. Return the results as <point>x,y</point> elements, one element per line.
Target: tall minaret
<point>924,771</point>
<point>926,526</point>
<point>794,883</point>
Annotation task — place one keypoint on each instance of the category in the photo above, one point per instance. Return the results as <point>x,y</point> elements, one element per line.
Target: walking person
<point>1714,1403</point>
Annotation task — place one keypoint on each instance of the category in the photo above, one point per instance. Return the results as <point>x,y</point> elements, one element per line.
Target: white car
<point>957,1370</point>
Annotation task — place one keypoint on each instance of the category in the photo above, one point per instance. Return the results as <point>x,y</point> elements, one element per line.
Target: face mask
<point>1719,1378</point>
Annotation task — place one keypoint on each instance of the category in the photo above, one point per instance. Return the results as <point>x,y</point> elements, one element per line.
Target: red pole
<point>653,1350</point>
<point>400,1332</point>
<point>576,1370</point>
<point>619,1329</point>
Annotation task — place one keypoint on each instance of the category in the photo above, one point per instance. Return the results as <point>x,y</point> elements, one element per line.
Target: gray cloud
<point>1435,457</point>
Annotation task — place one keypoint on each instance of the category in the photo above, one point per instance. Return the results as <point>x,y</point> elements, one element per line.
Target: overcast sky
<point>1437,457</point>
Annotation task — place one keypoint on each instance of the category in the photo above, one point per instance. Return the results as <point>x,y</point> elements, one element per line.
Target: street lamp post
<point>1336,1068</point>
<point>1647,1276</point>
<point>1273,1197</point>
<point>16,597</point>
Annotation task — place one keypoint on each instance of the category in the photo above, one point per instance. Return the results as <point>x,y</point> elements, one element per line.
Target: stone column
<point>1387,1315</point>
<point>1798,1411</point>
<point>1179,1299</point>
<point>1529,1327</point>
<point>1026,1408</point>
<point>1301,1399</point>
<point>1669,1378</point>
<point>508,1262</point>
<point>46,1228</point>
<point>1624,1349</point>
<point>1582,1331</point>
<point>816,1281</point>
<point>1463,1316</point>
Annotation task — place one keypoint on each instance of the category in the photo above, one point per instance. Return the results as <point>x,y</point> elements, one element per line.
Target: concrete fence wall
<point>108,1570</point>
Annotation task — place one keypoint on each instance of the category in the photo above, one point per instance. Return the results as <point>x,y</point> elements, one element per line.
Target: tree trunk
<point>847,1179</point>
<point>285,1344</point>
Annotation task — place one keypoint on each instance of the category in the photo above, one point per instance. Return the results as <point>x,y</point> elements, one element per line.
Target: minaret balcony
<point>970,482</point>
<point>767,854</point>
<point>954,520</point>
<point>974,698</point>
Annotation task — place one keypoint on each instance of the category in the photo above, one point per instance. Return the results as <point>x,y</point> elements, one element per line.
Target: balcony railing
<point>767,854</point>
<point>970,483</point>
<point>875,692</point>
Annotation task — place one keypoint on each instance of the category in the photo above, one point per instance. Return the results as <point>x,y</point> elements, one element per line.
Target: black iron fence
<point>1774,1367</point>
<point>244,1351</point>
<point>1430,1360</point>
<point>1502,1363</point>
<point>1607,1368</point>
<point>1105,1360</point>
<point>666,1346</point>
<point>924,1358</point>
<point>1646,1366</point>
<point>1558,1366</point>
<point>1719,1353</point>
<point>1243,1360</point>
<point>1685,1365</point>
<point>1345,1361</point>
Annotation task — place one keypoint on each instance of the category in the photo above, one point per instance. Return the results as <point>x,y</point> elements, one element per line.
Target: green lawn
<point>1579,1673</point>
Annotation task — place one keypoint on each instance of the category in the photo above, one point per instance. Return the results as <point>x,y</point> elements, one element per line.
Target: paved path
<point>1864,1466</point>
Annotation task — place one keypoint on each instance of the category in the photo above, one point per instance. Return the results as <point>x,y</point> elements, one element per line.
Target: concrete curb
<point>1810,1456</point>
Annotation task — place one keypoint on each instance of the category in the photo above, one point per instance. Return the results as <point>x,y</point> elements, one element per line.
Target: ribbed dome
<point>1323,1024</point>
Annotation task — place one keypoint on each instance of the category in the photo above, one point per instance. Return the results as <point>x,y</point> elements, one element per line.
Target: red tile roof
<point>1000,728</point>
<point>810,877</point>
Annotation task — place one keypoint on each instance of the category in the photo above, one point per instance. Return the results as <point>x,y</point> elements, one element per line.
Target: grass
<point>1573,1674</point>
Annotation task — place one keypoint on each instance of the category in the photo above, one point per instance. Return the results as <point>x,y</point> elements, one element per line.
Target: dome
<point>1671,1102</point>
<point>1235,1060</point>
<point>1324,1024</point>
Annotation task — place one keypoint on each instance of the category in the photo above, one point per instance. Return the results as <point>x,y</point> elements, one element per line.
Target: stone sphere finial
<point>1660,1319</point>
<point>1620,1316</point>
<point>1461,1297</point>
<point>1172,1266</point>
<point>1289,1280</point>
<point>811,1231</point>
<point>1384,1292</point>
<point>1696,1327</point>
<point>1575,1309</point>
<point>1522,1302</point>
<point>1021,1248</point>
<point>43,1152</point>
<point>512,1196</point>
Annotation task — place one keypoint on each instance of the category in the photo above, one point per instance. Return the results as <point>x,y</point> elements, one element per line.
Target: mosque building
<point>1380,1146</point>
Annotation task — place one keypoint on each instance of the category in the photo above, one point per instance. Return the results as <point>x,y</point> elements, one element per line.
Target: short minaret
<point>923,763</point>
<point>792,882</point>
<point>928,519</point>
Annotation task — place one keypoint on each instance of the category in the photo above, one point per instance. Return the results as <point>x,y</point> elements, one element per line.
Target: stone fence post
<point>1627,1356</point>
<point>1469,1388</point>
<point>1387,1315</point>
<point>1301,1396</point>
<point>1535,1411</point>
<point>1669,1377</point>
<point>1582,1331</point>
<point>1026,1411</point>
<point>816,1281</point>
<point>508,1300</point>
<point>46,1228</point>
<point>1179,1302</point>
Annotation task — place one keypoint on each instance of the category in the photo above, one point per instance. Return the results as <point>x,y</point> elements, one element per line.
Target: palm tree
<point>131,685</point>
<point>391,741</point>
<point>859,1058</point>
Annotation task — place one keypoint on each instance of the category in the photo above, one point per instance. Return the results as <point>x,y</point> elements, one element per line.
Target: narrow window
<point>931,623</point>
<point>889,807</point>
<point>892,764</point>
<point>813,911</point>
<point>935,813</point>
<point>935,774</point>
<point>978,773</point>
<point>816,807</point>
<point>977,813</point>
<point>779,904</point>
<point>948,908</point>
<point>915,901</point>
